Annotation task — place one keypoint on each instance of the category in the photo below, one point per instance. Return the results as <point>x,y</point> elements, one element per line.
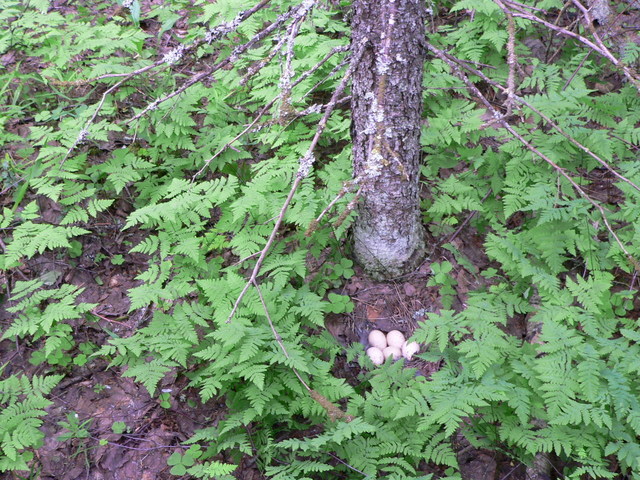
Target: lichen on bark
<point>386,112</point>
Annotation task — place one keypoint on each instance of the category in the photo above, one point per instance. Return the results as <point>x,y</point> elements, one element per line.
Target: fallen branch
<point>332,410</point>
<point>264,110</point>
<point>547,119</point>
<point>501,120</point>
<point>306,162</point>
<point>597,47</point>
<point>297,12</point>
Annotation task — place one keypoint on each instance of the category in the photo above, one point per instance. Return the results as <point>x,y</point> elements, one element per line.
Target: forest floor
<point>80,443</point>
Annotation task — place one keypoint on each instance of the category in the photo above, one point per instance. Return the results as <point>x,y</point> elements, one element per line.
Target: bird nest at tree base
<point>394,305</point>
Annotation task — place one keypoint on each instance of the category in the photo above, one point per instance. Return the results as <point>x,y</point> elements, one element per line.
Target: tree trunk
<point>386,113</point>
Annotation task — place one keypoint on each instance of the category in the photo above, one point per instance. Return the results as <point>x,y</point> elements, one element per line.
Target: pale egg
<point>395,339</point>
<point>392,351</point>
<point>377,339</point>
<point>376,355</point>
<point>409,349</point>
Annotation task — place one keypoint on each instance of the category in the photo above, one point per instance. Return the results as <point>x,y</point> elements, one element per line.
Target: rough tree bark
<point>386,113</point>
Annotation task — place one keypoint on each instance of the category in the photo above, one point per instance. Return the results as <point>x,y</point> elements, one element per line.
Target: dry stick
<point>511,57</point>
<point>549,121</point>
<point>522,5</point>
<point>549,59</point>
<point>264,110</point>
<point>300,10</point>
<point>212,35</point>
<point>334,50</point>
<point>346,188</point>
<point>333,411</point>
<point>533,149</point>
<point>596,35</point>
<point>276,335</point>
<point>85,130</point>
<point>576,143</point>
<point>335,70</point>
<point>168,59</point>
<point>347,465</point>
<point>259,65</point>
<point>575,72</point>
<point>348,209</point>
<point>305,165</point>
<point>127,75</point>
<point>466,220</point>
<point>598,48</point>
<point>285,81</point>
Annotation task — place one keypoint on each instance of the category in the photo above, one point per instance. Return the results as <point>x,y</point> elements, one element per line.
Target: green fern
<point>23,403</point>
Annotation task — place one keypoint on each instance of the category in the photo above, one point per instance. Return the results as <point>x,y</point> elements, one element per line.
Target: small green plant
<point>117,260</point>
<point>165,400</point>
<point>99,388</point>
<point>78,432</point>
<point>86,350</point>
<point>76,429</point>
<point>60,357</point>
<point>443,279</point>
<point>75,249</point>
<point>341,271</point>
<point>185,463</point>
<point>119,427</point>
<point>181,462</point>
<point>339,304</point>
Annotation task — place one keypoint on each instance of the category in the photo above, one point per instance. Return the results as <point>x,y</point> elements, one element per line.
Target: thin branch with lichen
<point>502,121</point>
<point>546,118</point>
<point>306,162</point>
<point>597,47</point>
<point>300,11</point>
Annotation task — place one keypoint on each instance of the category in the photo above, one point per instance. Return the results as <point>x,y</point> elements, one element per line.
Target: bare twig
<point>268,106</point>
<point>169,59</point>
<point>333,411</point>
<point>347,465</point>
<point>346,188</point>
<point>554,125</point>
<point>597,47</point>
<point>259,65</point>
<point>335,70</point>
<point>306,163</point>
<point>276,335</point>
<point>296,12</point>
<point>85,130</point>
<point>511,57</point>
<point>500,119</point>
<point>576,143</point>
<point>286,109</point>
<point>467,220</point>
<point>575,72</point>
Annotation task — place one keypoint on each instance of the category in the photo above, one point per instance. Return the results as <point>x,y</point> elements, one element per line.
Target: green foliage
<point>202,190</point>
<point>22,402</point>
<point>570,390</point>
<point>442,278</point>
<point>339,304</point>
<point>119,427</point>
<point>75,428</point>
<point>181,463</point>
<point>41,313</point>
